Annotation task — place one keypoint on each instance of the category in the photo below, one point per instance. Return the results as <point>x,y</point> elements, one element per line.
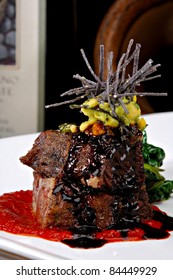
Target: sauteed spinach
<point>158,187</point>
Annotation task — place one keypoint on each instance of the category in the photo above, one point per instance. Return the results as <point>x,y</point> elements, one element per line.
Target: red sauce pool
<point>16,217</point>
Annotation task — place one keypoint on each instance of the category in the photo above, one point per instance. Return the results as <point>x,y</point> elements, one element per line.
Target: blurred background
<point>71,25</point>
<point>86,24</point>
<point>66,27</point>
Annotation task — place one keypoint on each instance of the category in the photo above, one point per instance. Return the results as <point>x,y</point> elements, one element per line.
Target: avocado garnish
<point>113,101</point>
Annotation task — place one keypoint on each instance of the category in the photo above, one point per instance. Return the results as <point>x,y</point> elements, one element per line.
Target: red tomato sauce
<point>16,217</point>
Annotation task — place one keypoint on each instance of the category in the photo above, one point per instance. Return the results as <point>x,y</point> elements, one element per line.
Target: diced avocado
<point>88,112</point>
<point>106,119</point>
<point>96,111</point>
<point>96,115</point>
<point>133,114</point>
<point>74,128</point>
<point>105,106</point>
<point>68,127</point>
<point>86,124</point>
<point>91,103</point>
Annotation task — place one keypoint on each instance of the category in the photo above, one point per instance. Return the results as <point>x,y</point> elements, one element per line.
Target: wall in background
<point>71,25</point>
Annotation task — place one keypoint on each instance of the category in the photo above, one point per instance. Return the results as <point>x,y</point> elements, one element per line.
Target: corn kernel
<point>141,123</point>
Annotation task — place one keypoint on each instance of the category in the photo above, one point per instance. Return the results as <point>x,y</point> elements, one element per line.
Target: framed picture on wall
<point>22,66</point>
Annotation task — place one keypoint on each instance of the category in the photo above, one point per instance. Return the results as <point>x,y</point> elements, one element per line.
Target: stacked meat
<point>89,182</point>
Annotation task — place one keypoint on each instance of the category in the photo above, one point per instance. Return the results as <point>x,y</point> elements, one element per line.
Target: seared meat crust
<point>89,181</point>
<point>49,153</point>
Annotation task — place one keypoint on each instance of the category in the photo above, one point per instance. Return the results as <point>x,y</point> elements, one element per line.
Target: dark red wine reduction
<point>16,217</point>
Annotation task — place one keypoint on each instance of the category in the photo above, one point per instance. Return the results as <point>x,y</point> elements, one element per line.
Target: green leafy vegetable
<point>157,187</point>
<point>152,155</point>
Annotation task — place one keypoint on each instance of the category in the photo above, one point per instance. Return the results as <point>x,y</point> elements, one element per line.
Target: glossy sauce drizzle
<point>16,217</point>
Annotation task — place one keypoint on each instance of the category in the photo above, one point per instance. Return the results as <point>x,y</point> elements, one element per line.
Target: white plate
<point>15,176</point>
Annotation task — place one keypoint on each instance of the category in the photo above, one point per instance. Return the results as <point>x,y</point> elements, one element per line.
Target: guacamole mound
<point>96,111</point>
